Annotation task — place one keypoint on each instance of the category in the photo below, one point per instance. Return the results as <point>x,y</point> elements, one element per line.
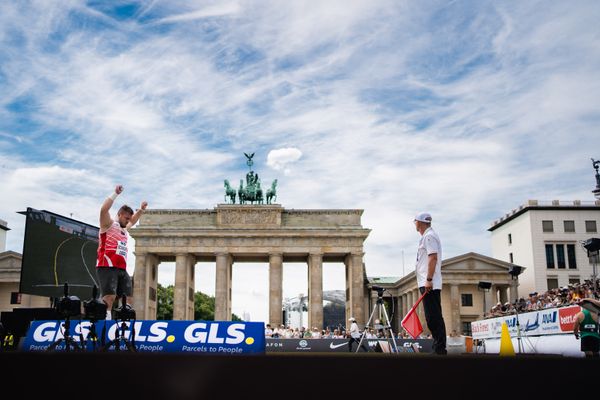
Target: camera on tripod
<point>125,312</point>
<point>68,306</point>
<point>94,309</point>
<point>379,290</point>
<point>381,324</point>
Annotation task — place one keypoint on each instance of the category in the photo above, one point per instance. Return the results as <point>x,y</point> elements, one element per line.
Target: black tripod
<point>125,314</point>
<point>379,309</point>
<point>95,310</point>
<point>92,336</point>
<point>120,338</point>
<point>70,343</point>
<point>68,306</point>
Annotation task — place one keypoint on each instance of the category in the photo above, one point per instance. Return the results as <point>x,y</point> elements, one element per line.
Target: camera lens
<point>69,306</point>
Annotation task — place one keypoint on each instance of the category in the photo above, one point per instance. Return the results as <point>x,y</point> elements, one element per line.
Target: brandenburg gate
<point>237,233</point>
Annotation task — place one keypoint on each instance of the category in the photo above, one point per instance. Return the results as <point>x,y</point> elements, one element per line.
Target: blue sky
<point>465,109</point>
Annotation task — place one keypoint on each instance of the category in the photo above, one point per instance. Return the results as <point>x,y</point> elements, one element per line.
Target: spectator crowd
<point>339,332</point>
<point>558,297</point>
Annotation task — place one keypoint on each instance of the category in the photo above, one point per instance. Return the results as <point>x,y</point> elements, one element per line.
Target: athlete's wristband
<point>113,196</point>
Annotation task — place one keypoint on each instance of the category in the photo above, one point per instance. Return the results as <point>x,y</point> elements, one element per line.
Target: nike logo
<point>335,346</point>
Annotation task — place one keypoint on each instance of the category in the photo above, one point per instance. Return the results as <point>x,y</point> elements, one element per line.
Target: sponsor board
<point>549,321</point>
<point>214,337</point>
<point>341,345</point>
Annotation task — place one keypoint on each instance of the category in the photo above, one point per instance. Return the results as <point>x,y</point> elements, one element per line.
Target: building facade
<point>546,237</point>
<point>233,234</point>
<point>10,278</point>
<point>3,230</point>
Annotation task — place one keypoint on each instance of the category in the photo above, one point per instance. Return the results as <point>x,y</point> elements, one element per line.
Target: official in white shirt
<point>429,279</point>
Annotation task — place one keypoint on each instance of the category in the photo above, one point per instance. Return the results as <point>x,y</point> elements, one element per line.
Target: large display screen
<point>58,250</point>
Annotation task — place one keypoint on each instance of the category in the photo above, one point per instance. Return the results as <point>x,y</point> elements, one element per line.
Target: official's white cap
<point>423,217</point>
<point>351,319</point>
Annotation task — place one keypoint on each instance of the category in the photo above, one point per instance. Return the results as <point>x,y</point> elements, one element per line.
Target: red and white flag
<point>411,322</point>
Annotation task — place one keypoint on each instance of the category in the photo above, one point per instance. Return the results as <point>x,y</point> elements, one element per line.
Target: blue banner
<point>211,337</point>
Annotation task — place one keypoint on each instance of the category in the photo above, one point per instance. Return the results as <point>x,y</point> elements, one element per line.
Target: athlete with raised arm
<point>111,265</point>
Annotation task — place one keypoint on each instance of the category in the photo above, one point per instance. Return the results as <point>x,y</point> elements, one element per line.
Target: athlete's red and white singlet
<point>112,250</point>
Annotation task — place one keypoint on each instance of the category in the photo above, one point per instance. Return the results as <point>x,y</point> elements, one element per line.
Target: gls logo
<point>196,333</point>
<point>51,331</point>
<point>200,332</point>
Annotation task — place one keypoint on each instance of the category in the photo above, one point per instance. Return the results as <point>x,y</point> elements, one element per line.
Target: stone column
<point>454,308</point>
<point>373,304</point>
<point>275,289</point>
<point>400,313</point>
<point>397,317</point>
<point>503,293</point>
<point>152,264</point>
<point>514,292</point>
<point>184,287</point>
<point>315,290</point>
<point>489,301</point>
<point>354,261</point>
<point>405,304</point>
<point>145,285</point>
<point>191,287</point>
<point>140,285</point>
<point>229,286</point>
<point>496,291</point>
<point>222,287</point>
<point>348,289</point>
<point>179,293</point>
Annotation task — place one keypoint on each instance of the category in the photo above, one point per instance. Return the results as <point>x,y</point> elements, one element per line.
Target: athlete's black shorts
<point>590,343</point>
<point>114,281</point>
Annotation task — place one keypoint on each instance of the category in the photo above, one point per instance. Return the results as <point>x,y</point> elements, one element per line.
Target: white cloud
<point>218,10</point>
<point>280,159</point>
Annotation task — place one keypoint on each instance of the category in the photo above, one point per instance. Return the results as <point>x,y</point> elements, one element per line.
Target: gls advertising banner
<point>211,337</point>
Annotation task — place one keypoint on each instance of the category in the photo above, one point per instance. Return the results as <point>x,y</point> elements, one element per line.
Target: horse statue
<point>241,191</point>
<point>251,193</point>
<point>272,192</point>
<point>259,193</point>
<point>229,192</point>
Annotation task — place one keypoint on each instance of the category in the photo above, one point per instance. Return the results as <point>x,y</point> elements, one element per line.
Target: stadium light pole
<point>590,247</point>
<point>596,165</point>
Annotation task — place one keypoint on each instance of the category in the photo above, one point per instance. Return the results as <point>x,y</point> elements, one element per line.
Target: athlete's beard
<point>122,224</point>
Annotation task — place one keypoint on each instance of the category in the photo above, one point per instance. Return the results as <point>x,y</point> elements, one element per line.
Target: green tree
<point>204,305</point>
<point>204,308</point>
<point>164,307</point>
